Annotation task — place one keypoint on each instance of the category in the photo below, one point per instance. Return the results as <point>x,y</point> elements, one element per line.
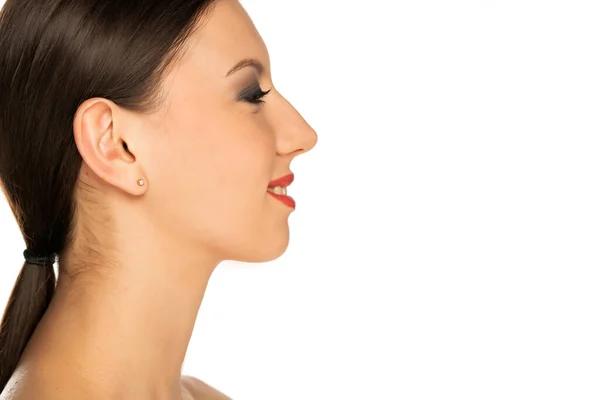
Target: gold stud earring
<point>141,182</point>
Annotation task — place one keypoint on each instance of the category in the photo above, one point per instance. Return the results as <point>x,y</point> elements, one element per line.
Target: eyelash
<point>255,97</point>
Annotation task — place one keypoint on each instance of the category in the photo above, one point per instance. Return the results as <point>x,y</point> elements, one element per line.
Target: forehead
<point>225,36</point>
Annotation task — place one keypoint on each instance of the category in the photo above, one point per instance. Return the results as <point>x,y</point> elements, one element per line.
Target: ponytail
<point>26,305</point>
<point>67,55</point>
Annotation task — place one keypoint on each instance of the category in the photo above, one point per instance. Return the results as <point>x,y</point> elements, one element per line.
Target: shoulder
<point>199,390</point>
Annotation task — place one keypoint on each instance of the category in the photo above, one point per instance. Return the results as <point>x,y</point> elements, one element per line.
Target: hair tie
<point>42,261</point>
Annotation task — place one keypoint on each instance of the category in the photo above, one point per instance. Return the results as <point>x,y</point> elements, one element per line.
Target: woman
<point>141,144</point>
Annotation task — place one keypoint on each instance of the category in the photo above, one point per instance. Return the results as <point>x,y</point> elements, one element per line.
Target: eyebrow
<point>246,62</point>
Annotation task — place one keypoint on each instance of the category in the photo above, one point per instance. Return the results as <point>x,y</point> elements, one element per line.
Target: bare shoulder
<point>199,390</point>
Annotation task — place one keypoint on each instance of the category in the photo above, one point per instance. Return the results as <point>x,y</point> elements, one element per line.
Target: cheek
<point>234,157</point>
<point>213,181</point>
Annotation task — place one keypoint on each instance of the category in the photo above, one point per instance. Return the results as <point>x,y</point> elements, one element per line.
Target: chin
<point>267,251</point>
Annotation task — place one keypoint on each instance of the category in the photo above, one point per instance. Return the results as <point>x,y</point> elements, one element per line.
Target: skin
<point>125,306</point>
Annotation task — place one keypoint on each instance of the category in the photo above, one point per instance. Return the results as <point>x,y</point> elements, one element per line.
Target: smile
<point>278,190</point>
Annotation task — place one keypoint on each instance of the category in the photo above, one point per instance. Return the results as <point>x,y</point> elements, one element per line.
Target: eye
<point>254,95</point>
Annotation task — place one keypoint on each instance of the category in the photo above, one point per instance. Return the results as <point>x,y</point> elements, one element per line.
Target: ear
<point>100,132</point>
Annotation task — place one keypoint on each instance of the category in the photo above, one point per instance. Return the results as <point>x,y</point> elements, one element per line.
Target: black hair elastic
<point>39,260</point>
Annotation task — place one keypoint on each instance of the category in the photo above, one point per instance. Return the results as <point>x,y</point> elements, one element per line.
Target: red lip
<point>287,200</point>
<point>284,181</point>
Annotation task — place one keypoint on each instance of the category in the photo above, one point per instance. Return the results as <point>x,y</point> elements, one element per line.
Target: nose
<point>294,135</point>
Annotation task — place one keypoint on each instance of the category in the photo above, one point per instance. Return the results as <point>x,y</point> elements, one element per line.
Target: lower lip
<point>287,200</point>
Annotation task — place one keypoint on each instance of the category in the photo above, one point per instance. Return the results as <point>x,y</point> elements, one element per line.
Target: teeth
<point>279,190</point>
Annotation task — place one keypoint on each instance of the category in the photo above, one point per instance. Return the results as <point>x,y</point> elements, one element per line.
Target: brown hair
<point>54,55</point>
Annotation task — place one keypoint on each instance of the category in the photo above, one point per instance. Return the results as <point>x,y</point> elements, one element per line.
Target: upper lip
<point>284,181</point>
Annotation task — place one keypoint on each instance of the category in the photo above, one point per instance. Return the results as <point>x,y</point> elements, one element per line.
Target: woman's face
<point>213,151</point>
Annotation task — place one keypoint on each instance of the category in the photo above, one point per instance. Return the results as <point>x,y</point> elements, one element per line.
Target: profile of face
<point>210,153</point>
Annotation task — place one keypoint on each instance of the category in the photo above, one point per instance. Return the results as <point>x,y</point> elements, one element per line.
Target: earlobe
<point>100,132</point>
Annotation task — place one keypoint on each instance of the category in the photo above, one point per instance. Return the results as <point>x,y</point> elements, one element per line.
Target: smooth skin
<point>122,316</point>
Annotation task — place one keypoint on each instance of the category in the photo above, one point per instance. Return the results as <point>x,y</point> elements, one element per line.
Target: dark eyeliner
<point>253,94</point>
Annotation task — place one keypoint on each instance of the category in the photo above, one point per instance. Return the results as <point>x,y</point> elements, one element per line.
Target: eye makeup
<point>253,94</point>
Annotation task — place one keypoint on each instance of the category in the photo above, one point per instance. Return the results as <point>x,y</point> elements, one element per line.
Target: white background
<point>446,239</point>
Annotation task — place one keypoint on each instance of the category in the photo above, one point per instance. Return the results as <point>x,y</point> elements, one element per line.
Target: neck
<point>123,334</point>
